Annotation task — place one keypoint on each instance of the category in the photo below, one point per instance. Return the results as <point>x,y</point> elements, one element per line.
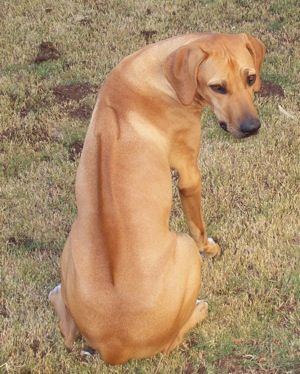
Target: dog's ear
<point>257,50</point>
<point>181,68</point>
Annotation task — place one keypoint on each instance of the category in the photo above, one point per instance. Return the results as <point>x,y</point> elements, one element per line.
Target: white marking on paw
<point>87,352</point>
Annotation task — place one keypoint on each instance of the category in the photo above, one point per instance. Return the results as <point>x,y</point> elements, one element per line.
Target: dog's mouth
<point>223,126</point>
<point>237,134</point>
<point>247,134</point>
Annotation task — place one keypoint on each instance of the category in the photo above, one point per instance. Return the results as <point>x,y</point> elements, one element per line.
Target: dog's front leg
<point>190,193</point>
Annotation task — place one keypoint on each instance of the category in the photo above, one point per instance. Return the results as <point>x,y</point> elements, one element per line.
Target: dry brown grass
<point>251,188</point>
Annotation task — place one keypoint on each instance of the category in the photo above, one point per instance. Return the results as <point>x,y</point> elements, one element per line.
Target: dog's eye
<point>218,88</point>
<point>251,79</point>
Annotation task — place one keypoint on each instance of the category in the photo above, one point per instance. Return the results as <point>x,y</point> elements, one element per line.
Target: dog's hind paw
<point>87,352</point>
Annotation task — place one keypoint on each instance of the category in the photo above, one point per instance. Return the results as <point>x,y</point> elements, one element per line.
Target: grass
<point>251,188</point>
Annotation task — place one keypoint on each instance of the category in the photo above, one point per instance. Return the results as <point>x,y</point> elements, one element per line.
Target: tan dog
<point>129,285</point>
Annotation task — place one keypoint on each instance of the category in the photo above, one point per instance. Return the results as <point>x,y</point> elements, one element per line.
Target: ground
<point>53,57</point>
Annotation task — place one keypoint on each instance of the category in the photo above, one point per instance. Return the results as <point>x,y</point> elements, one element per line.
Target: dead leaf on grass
<point>286,113</point>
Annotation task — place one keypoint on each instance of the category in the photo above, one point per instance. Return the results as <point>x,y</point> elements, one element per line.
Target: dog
<point>129,285</point>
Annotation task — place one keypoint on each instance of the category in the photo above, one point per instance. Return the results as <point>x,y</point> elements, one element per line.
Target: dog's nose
<point>250,126</point>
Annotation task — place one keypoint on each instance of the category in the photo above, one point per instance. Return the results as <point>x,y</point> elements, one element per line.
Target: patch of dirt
<point>148,34</point>
<point>46,52</point>
<point>73,91</point>
<point>75,149</point>
<point>83,112</point>
<point>269,88</point>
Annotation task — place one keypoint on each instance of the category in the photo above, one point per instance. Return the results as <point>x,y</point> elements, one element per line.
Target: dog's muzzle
<point>247,128</point>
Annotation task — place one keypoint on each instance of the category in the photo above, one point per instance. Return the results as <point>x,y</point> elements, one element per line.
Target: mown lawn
<point>53,56</point>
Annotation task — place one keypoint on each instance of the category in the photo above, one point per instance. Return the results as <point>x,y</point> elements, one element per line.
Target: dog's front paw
<point>212,249</point>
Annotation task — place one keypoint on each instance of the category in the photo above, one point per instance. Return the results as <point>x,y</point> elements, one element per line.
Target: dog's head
<point>223,71</point>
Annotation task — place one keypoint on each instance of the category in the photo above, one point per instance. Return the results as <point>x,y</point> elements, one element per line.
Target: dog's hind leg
<point>67,325</point>
<point>198,315</point>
